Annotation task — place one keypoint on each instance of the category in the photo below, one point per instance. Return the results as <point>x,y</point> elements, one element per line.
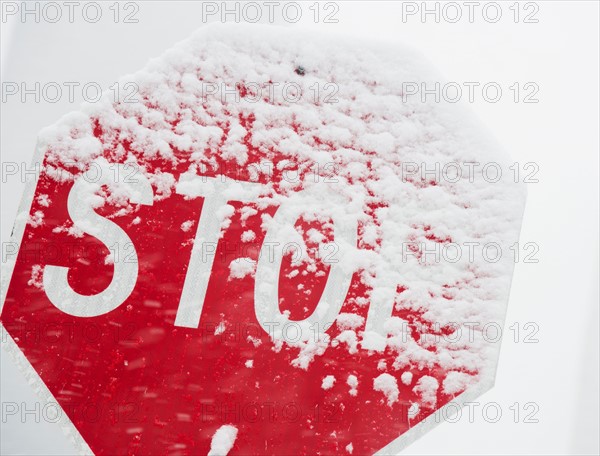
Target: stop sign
<point>262,245</point>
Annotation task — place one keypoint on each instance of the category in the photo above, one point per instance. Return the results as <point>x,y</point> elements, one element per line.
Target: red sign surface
<point>209,268</point>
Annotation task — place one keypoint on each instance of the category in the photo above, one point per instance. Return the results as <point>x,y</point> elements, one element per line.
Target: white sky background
<point>560,134</point>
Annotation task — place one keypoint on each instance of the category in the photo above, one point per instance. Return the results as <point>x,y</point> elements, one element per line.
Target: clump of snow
<point>250,364</point>
<point>242,267</point>
<point>36,219</point>
<point>388,385</point>
<point>350,339</point>
<point>315,236</point>
<point>426,388</point>
<point>254,341</point>
<point>163,182</point>
<point>187,225</point>
<point>223,440</point>
<point>220,328</point>
<point>308,350</point>
<point>37,275</point>
<point>347,320</point>
<point>456,382</point>
<point>370,235</point>
<point>406,378</point>
<point>43,200</point>
<point>72,230</point>
<point>352,382</point>
<point>224,214</point>
<point>328,382</point>
<point>349,448</point>
<point>248,236</point>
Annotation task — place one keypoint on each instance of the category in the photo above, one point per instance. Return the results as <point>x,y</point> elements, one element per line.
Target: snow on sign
<point>270,249</point>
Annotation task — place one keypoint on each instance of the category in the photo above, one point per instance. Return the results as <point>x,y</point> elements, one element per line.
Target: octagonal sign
<point>264,244</point>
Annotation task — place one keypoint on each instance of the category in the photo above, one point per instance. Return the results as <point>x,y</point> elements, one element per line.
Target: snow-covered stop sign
<point>271,247</point>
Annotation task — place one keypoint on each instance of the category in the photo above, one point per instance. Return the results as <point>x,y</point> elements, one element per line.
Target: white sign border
<point>7,342</point>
